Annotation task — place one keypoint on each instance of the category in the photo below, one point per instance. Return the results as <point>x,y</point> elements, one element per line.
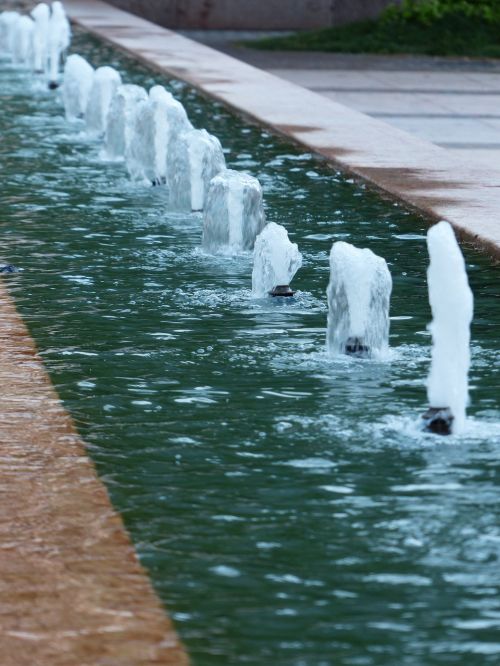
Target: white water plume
<point>119,122</point>
<point>233,214</point>
<point>358,302</point>
<point>154,123</point>
<point>78,79</point>
<point>8,21</point>
<point>452,305</point>
<point>194,158</point>
<point>59,38</point>
<point>22,40</point>
<point>104,84</point>
<point>41,17</point>
<point>275,260</point>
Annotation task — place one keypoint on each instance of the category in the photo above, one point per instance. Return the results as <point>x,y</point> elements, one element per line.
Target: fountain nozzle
<point>8,268</point>
<point>53,85</point>
<point>355,347</point>
<point>282,290</point>
<point>438,420</point>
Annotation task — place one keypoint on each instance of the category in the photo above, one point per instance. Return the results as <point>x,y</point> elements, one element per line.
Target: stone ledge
<point>73,592</point>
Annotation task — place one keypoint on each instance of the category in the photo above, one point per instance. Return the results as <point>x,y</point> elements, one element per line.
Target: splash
<point>22,43</point>
<point>41,17</point>
<point>155,121</point>
<point>104,85</point>
<point>78,79</point>
<point>8,21</point>
<point>59,38</point>
<point>452,305</point>
<point>119,123</point>
<point>234,213</point>
<point>195,157</point>
<point>358,300</point>
<point>276,260</point>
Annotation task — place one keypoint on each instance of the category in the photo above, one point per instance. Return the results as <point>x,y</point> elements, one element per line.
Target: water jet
<point>59,38</point>
<point>194,158</point>
<point>104,84</point>
<point>41,17</point>
<point>119,120</point>
<point>7,20</point>
<point>358,302</point>
<point>276,261</point>
<point>452,306</point>
<point>22,41</point>
<point>233,215</point>
<point>78,79</point>
<point>154,122</point>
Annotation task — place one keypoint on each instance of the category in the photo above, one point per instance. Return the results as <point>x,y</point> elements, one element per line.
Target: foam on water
<point>452,307</point>
<point>358,299</point>
<point>405,431</point>
<point>78,79</point>
<point>234,214</point>
<point>194,158</point>
<point>119,122</point>
<point>104,85</point>
<point>41,16</point>
<point>155,121</point>
<point>59,38</point>
<point>276,260</point>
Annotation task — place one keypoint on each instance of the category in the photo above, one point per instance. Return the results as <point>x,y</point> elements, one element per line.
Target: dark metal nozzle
<point>53,85</point>
<point>8,268</point>
<point>438,420</point>
<point>356,347</point>
<point>282,290</point>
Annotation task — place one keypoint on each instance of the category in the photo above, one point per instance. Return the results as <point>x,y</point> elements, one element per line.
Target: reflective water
<point>285,504</point>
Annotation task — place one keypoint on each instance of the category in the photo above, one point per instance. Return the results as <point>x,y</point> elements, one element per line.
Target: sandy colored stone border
<point>416,171</point>
<point>72,592</point>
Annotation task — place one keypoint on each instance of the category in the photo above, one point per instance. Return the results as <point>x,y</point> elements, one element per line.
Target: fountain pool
<point>285,503</point>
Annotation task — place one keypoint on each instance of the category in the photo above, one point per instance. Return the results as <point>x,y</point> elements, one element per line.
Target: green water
<point>285,504</point>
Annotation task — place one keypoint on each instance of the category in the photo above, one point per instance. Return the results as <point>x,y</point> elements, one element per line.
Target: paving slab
<point>449,108</point>
<point>73,592</point>
<point>396,104</point>
<point>393,87</point>
<point>419,172</point>
<point>232,42</point>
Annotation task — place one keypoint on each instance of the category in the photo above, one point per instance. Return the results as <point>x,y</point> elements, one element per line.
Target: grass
<point>454,35</point>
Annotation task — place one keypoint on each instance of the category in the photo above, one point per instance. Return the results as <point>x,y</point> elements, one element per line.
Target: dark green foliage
<point>428,27</point>
<point>428,11</point>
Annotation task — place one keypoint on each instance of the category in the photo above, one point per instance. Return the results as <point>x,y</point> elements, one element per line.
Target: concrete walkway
<point>455,103</point>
